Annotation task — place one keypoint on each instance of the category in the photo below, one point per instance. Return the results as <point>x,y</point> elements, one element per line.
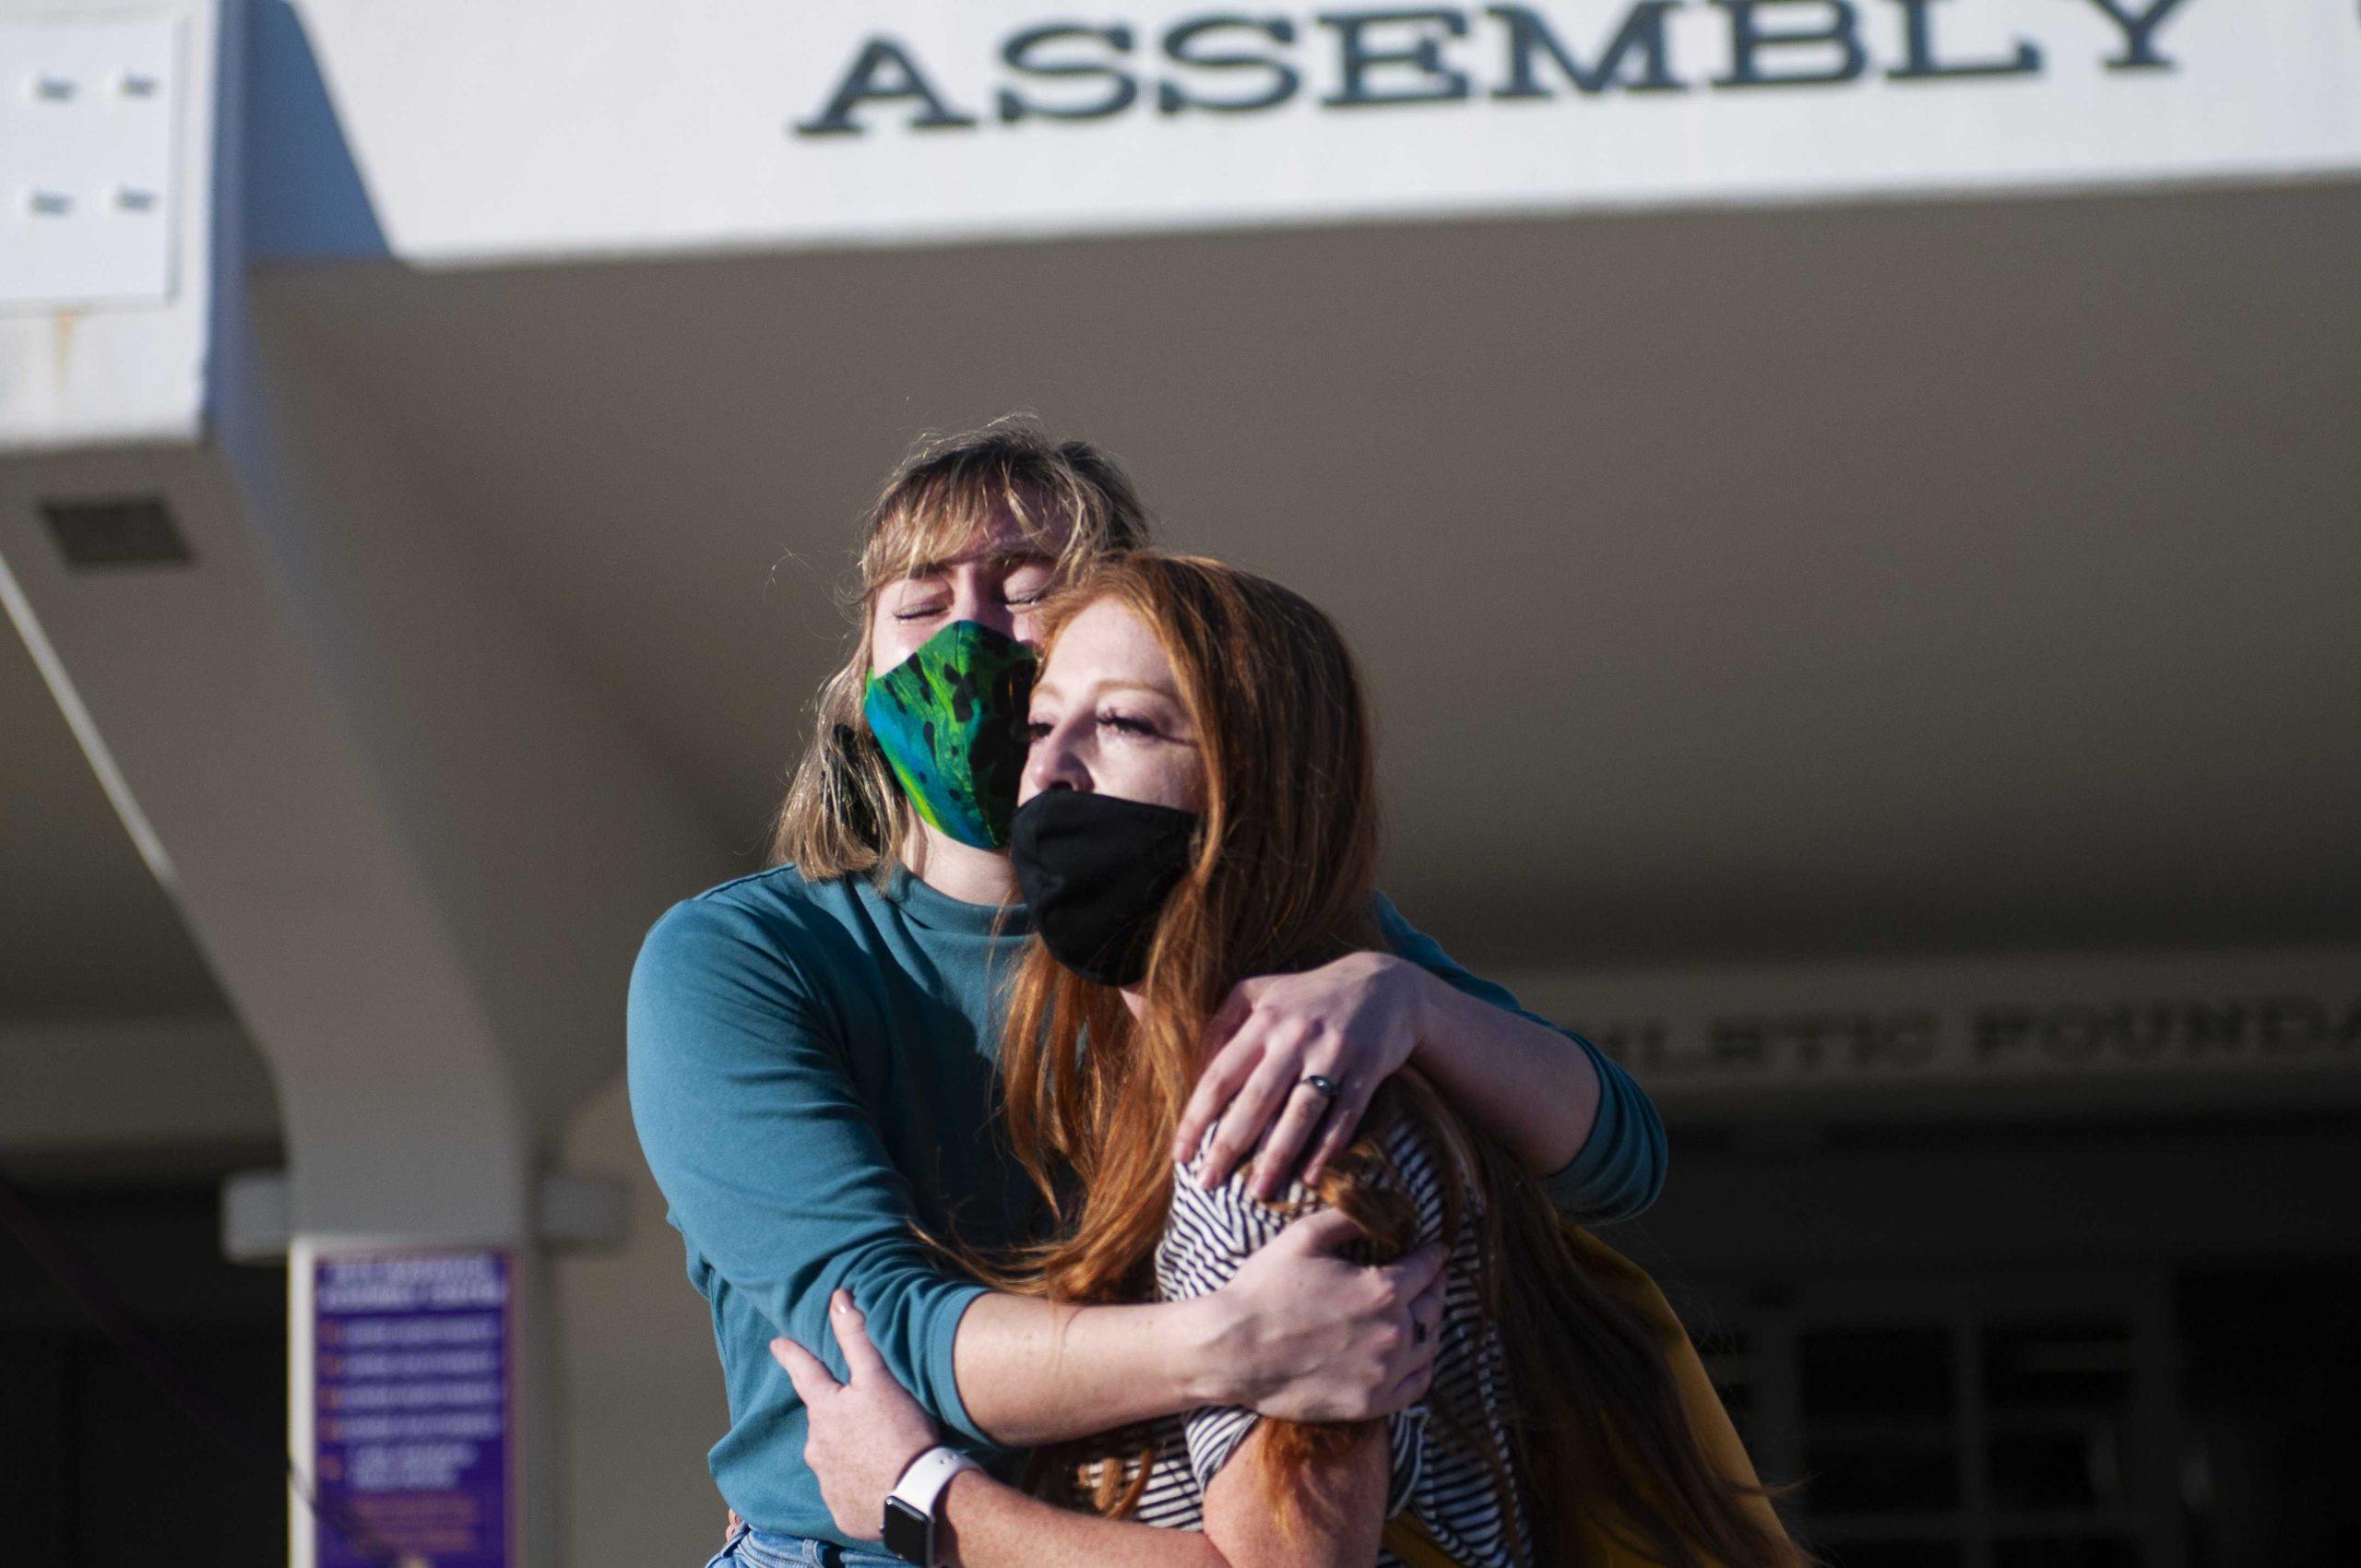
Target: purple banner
<point>413,1402</point>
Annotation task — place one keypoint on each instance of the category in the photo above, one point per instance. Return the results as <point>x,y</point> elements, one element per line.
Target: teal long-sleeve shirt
<point>812,1068</point>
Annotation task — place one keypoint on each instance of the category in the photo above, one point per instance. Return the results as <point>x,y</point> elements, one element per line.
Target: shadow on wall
<point>305,198</point>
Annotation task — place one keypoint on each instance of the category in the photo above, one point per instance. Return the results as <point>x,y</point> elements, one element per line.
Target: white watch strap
<point>921,1485</point>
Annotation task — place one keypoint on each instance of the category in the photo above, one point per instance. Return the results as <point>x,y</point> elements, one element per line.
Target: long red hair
<point>1282,879</point>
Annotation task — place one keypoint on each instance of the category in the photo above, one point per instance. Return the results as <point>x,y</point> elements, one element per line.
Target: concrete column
<point>416,853</point>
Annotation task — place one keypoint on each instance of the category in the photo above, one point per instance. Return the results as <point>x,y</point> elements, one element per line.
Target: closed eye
<point>1029,584</point>
<point>1126,724</point>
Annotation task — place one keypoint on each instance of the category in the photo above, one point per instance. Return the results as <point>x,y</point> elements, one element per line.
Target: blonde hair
<point>844,812</point>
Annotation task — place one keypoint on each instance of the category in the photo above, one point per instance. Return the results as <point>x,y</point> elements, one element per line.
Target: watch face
<point>909,1535</point>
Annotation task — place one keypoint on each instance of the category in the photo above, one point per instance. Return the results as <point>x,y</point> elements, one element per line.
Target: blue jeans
<point>751,1548</point>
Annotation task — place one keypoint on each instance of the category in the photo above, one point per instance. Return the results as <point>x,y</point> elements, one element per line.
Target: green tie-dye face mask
<point>951,721</point>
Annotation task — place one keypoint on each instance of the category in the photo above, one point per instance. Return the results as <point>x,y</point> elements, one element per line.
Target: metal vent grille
<point>121,531</point>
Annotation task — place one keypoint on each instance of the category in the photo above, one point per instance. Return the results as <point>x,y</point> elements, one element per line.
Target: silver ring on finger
<point>1322,1085</point>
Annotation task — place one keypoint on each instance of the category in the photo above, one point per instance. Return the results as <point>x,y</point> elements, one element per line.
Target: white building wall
<point>538,131</point>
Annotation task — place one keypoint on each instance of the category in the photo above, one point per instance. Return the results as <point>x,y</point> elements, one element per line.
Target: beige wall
<point>643,1395</point>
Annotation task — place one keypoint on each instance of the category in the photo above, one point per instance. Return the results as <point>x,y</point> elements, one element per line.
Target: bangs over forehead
<point>934,518</point>
<point>1065,502</point>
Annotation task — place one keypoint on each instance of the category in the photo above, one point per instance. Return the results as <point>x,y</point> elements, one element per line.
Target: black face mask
<point>1095,871</point>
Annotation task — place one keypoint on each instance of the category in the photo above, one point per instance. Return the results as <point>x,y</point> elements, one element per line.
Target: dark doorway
<point>2271,1379</point>
<point>98,1467</point>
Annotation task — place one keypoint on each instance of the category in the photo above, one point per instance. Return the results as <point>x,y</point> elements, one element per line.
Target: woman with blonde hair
<point>1199,806</point>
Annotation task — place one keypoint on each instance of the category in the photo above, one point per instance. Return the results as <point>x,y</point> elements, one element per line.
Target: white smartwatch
<point>911,1513</point>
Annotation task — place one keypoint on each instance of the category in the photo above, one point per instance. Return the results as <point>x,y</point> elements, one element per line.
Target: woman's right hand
<point>1301,1335</point>
<point>862,1434</point>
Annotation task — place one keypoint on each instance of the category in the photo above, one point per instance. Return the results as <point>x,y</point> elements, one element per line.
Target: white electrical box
<point>89,120</point>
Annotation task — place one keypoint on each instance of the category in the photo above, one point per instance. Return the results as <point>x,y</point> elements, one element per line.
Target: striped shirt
<point>1435,1475</point>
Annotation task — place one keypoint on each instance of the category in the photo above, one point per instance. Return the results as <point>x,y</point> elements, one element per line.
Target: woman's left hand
<point>1355,1022</point>
<point>864,1431</point>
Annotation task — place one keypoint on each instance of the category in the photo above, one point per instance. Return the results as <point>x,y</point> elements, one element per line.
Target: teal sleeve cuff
<point>1620,1170</point>
<point>943,1373</point>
